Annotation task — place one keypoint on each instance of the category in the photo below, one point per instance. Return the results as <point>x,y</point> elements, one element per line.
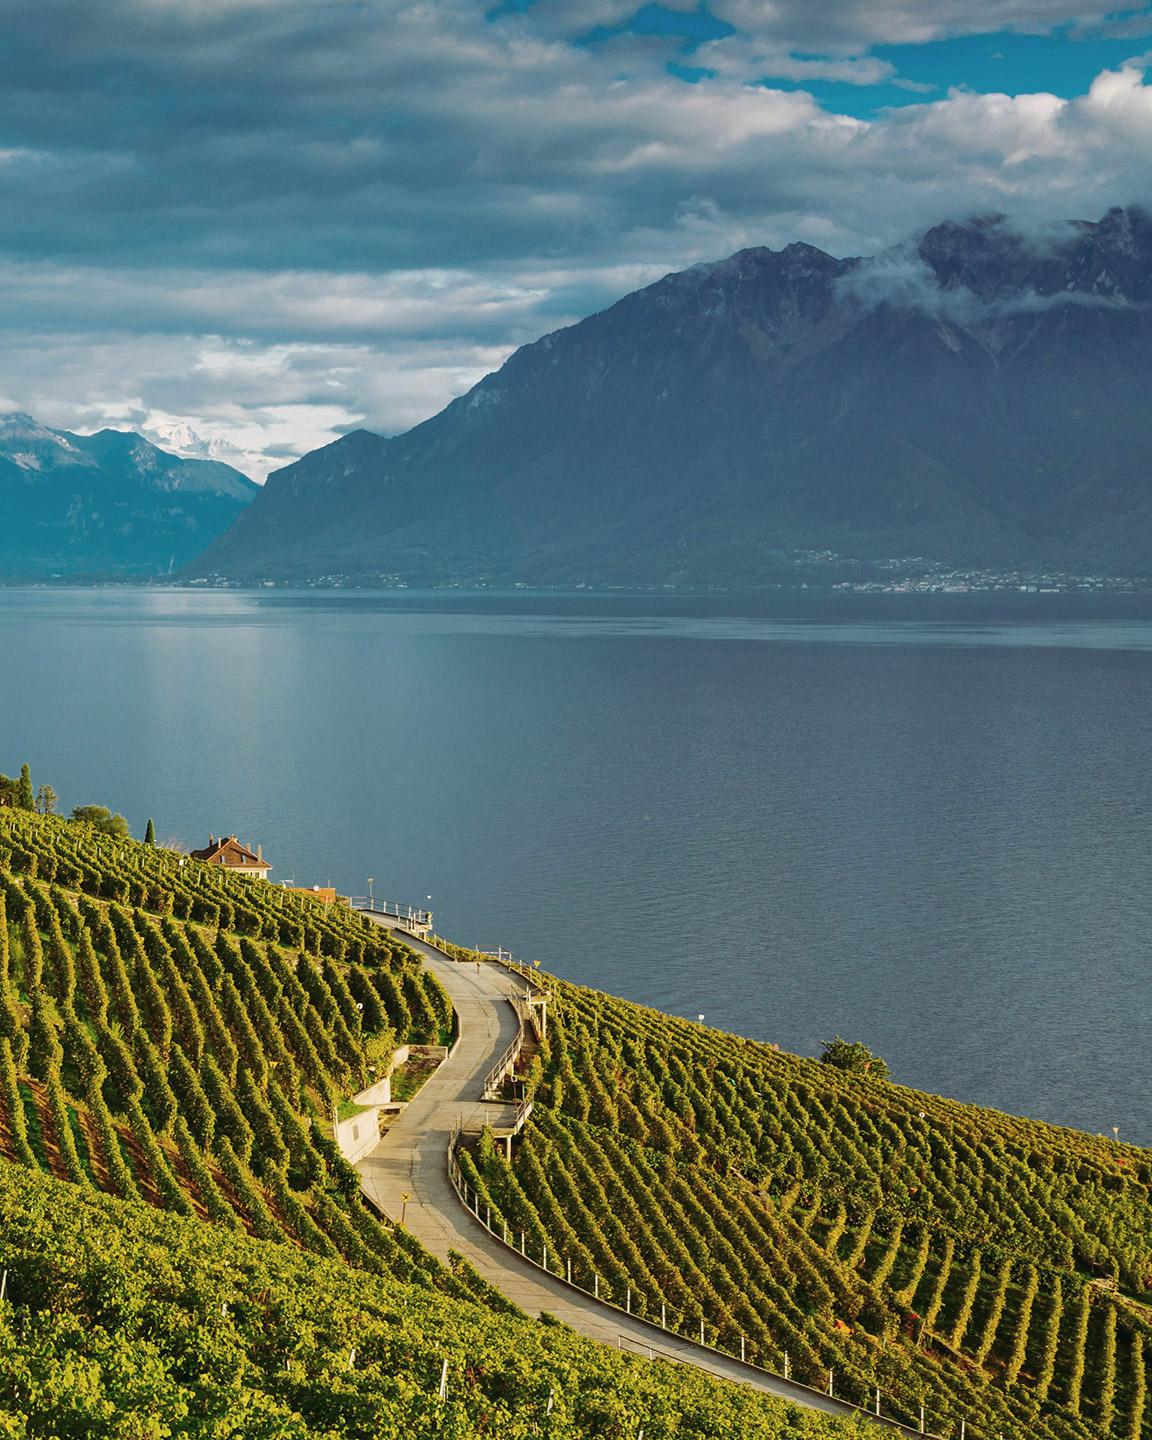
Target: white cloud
<point>844,26</point>
<point>279,221</point>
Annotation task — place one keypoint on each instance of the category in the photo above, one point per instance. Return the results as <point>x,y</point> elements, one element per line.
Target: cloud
<point>741,58</point>
<point>848,26</point>
<point>279,219</point>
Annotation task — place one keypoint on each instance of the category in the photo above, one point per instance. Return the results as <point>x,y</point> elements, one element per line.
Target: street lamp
<point>371,882</point>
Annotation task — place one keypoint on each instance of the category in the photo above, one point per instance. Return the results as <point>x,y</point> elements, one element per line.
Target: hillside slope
<point>997,1271</point>
<point>109,504</point>
<point>981,398</point>
<point>173,1035</point>
<point>123,1322</point>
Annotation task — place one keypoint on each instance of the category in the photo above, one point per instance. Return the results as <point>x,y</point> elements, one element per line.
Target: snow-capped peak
<point>178,438</point>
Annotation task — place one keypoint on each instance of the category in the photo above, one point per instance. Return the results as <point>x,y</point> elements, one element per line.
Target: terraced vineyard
<point>994,1270</point>
<point>120,1321</point>
<point>172,1033</point>
<point>173,1036</point>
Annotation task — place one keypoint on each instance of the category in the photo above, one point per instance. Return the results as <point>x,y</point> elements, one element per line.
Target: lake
<point>927,829</point>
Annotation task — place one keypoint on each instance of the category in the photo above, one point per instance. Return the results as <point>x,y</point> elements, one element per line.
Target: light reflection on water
<point>929,833</point>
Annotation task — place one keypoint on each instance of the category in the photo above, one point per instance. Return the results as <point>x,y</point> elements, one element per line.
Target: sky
<point>281,220</point>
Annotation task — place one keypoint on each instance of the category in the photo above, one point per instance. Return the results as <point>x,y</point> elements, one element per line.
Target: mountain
<point>982,397</point>
<point>109,504</point>
<point>177,437</point>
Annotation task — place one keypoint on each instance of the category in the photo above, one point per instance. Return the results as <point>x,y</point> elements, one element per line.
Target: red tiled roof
<point>229,852</point>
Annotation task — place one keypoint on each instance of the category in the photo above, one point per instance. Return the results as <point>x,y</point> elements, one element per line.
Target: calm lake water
<point>933,835</point>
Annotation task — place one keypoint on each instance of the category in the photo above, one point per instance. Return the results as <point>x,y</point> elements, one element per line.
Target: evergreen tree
<point>25,796</point>
<point>150,833</point>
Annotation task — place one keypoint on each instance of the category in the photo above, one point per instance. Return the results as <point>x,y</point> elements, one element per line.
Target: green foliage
<point>122,1322</point>
<point>151,1056</point>
<point>949,1255</point>
<point>854,1057</point>
<point>150,833</point>
<point>102,820</point>
<point>25,797</point>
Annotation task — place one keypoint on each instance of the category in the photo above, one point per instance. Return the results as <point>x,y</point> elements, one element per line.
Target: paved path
<point>412,1159</point>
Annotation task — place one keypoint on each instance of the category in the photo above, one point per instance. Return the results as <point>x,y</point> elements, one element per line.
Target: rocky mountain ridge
<point>980,397</point>
<point>111,503</point>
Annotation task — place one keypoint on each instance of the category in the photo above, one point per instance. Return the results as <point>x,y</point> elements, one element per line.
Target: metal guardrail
<point>510,962</point>
<point>504,1066</point>
<point>847,1407</point>
<point>406,914</point>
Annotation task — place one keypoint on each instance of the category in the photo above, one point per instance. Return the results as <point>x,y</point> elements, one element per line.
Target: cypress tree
<point>25,795</point>
<point>150,833</point>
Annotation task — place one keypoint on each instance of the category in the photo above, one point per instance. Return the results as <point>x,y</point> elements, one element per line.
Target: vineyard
<point>173,1039</point>
<point>994,1270</point>
<point>122,1323</point>
<point>172,1033</point>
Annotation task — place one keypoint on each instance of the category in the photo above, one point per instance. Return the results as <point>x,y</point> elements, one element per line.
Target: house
<point>227,851</point>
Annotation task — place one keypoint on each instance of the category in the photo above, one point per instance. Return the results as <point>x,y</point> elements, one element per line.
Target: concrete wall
<point>357,1136</point>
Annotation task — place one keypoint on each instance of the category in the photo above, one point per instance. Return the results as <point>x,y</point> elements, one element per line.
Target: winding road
<point>411,1160</point>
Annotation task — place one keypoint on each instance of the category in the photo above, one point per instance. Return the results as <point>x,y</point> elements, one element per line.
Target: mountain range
<point>979,397</point>
<point>109,504</point>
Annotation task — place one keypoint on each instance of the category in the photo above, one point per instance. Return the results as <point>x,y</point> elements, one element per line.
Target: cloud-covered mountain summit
<point>982,397</point>
<point>109,504</point>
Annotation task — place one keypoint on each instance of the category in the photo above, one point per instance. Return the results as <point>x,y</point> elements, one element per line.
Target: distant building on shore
<point>227,851</point>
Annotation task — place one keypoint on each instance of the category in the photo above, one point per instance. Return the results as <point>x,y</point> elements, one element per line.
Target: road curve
<point>411,1160</point>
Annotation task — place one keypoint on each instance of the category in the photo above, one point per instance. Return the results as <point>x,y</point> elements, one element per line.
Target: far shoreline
<point>814,604</point>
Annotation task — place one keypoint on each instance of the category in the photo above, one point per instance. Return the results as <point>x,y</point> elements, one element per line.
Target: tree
<point>25,799</point>
<point>103,820</point>
<point>150,833</point>
<point>855,1057</point>
<point>46,799</point>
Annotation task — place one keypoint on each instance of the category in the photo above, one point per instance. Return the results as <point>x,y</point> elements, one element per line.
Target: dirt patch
<point>140,1169</point>
<point>187,1184</point>
<point>97,1160</point>
<point>48,1138</point>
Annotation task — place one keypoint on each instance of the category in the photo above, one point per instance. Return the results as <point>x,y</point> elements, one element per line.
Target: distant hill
<point>106,504</point>
<point>982,397</point>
